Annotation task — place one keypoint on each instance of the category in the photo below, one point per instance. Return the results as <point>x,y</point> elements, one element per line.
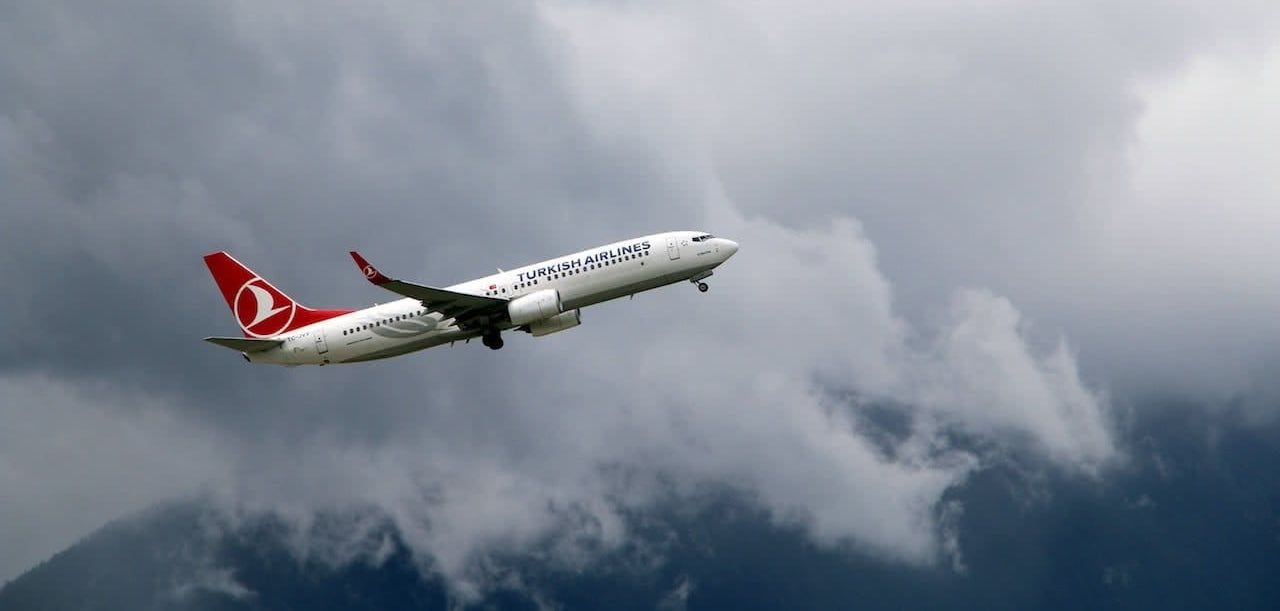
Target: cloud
<point>1180,287</point>
<point>912,189</point>
<point>1037,152</point>
<point>987,378</point>
<point>74,456</point>
<point>738,394</point>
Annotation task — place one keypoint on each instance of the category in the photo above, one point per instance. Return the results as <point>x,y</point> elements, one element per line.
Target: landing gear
<point>492,339</point>
<point>698,278</point>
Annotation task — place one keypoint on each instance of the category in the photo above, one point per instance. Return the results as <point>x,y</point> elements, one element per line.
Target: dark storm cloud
<point>136,137</point>
<point>140,137</point>
<point>446,139</point>
<point>139,132</point>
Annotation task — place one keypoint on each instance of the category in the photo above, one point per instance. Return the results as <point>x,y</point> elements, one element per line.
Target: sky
<point>1009,223</point>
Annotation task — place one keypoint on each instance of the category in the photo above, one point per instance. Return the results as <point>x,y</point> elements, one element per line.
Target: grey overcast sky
<point>1008,220</point>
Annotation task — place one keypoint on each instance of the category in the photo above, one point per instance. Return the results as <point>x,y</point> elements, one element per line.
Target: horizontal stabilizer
<point>245,344</point>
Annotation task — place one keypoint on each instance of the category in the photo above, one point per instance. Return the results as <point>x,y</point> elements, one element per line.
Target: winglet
<point>370,272</point>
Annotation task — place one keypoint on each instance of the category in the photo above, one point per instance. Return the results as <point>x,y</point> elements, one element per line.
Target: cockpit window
<point>702,238</point>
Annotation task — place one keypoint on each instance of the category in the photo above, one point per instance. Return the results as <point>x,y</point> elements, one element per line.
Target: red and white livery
<point>540,299</point>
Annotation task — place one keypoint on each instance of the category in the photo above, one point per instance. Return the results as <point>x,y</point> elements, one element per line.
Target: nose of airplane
<point>729,247</point>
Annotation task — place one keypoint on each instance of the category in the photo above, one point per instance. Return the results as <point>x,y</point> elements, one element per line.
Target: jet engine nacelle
<point>538,305</point>
<point>559,322</point>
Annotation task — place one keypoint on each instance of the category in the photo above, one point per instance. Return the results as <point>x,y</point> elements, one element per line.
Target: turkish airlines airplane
<point>540,299</point>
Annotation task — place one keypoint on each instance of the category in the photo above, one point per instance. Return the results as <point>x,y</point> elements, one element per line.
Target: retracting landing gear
<point>698,278</point>
<point>492,338</point>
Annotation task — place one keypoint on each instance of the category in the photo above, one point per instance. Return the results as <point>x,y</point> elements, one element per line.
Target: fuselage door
<point>322,346</point>
<point>673,248</point>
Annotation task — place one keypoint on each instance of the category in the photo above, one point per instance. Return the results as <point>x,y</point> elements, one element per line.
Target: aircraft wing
<point>245,344</point>
<point>464,308</point>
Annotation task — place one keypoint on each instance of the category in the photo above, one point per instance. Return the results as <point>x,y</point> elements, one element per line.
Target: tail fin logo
<point>369,272</point>
<point>257,312</point>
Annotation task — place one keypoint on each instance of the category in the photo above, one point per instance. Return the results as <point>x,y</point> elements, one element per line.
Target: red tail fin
<point>261,309</point>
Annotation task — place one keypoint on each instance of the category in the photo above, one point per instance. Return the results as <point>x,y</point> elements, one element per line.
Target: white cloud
<point>982,375</point>
<point>1173,289</point>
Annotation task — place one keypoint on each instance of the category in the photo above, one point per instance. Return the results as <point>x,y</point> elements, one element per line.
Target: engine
<point>559,322</point>
<point>534,306</point>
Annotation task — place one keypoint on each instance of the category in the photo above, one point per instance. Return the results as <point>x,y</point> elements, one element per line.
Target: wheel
<point>492,340</point>
<point>702,286</point>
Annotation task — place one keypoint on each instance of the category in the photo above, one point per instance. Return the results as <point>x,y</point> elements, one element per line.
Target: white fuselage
<point>583,278</point>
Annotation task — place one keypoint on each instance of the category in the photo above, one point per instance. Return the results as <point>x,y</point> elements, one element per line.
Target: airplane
<point>543,298</point>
